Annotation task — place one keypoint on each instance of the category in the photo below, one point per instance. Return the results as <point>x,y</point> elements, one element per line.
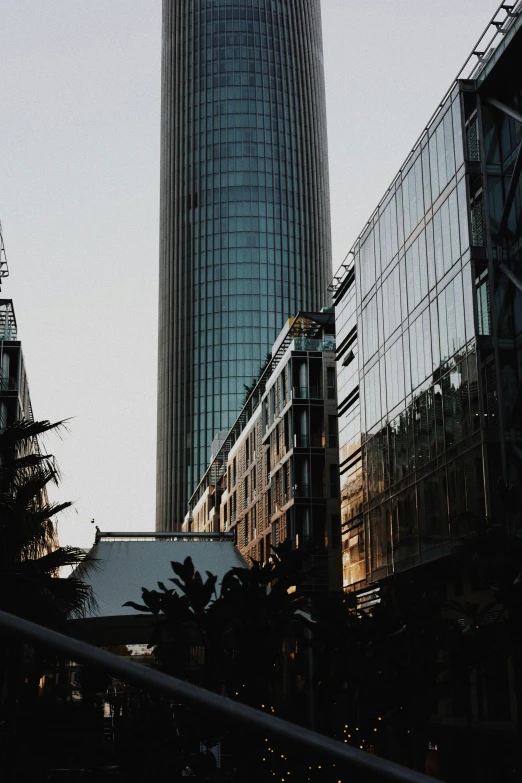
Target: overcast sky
<point>79,130</point>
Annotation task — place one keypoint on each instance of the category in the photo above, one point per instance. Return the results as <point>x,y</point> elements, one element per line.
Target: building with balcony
<point>428,318</point>
<point>245,218</point>
<point>276,474</point>
<point>15,402</point>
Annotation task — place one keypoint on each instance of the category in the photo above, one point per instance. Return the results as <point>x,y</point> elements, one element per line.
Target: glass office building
<point>245,237</point>
<point>429,327</point>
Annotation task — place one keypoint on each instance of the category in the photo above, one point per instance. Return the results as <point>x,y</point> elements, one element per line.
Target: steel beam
<point>510,197</point>
<point>504,108</point>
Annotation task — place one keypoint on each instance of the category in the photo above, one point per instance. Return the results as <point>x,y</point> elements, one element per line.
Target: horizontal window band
<point>348,402</point>
<point>346,343</point>
<point>350,462</point>
<point>346,284</point>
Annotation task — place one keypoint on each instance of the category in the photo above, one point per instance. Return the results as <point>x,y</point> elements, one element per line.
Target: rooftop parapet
<point>4,271</point>
<point>8,329</point>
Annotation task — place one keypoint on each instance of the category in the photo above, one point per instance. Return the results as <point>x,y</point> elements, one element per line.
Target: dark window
<point>334,481</point>
<point>330,382</point>
<point>336,531</point>
<point>332,432</point>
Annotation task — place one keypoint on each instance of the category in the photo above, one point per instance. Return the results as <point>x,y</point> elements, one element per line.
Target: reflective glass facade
<point>245,239</point>
<point>429,335</point>
<point>411,424</point>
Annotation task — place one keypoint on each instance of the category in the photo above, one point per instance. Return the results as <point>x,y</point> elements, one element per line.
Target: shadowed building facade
<point>244,227</point>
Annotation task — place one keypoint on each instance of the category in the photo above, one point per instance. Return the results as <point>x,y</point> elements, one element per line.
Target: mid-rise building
<point>276,476</point>
<point>245,226</point>
<point>15,402</point>
<point>429,327</point>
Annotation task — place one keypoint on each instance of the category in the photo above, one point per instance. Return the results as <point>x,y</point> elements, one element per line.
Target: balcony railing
<point>8,384</point>
<point>309,344</point>
<point>307,392</point>
<point>366,765</point>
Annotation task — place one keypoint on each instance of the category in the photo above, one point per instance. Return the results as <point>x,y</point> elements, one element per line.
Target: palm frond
<point>24,430</point>
<point>59,558</point>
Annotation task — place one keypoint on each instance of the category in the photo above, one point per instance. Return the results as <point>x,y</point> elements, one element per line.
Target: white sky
<point>79,174</point>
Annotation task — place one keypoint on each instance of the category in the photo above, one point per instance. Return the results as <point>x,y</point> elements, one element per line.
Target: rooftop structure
<point>123,563</point>
<point>4,270</point>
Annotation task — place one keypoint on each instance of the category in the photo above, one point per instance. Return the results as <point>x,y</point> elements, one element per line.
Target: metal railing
<point>311,344</point>
<point>220,706</point>
<point>7,384</point>
<point>101,536</point>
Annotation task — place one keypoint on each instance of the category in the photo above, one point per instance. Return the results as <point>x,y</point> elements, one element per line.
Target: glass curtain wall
<point>409,414</point>
<point>245,240</point>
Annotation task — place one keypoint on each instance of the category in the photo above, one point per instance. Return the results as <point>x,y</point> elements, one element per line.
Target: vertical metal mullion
<point>493,274</point>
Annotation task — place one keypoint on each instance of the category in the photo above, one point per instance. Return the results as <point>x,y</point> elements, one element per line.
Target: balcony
<point>8,329</point>
<point>311,392</point>
<point>8,384</point>
<point>308,344</point>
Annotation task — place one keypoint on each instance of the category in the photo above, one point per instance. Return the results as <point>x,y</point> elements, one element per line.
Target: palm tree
<point>30,557</point>
<point>31,585</point>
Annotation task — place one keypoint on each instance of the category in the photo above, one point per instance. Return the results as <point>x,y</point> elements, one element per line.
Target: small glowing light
<point>379,718</point>
<point>361,746</point>
<point>349,735</point>
<point>375,729</point>
<point>263,707</point>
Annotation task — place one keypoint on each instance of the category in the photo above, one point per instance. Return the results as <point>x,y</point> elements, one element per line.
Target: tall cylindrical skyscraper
<point>245,220</point>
